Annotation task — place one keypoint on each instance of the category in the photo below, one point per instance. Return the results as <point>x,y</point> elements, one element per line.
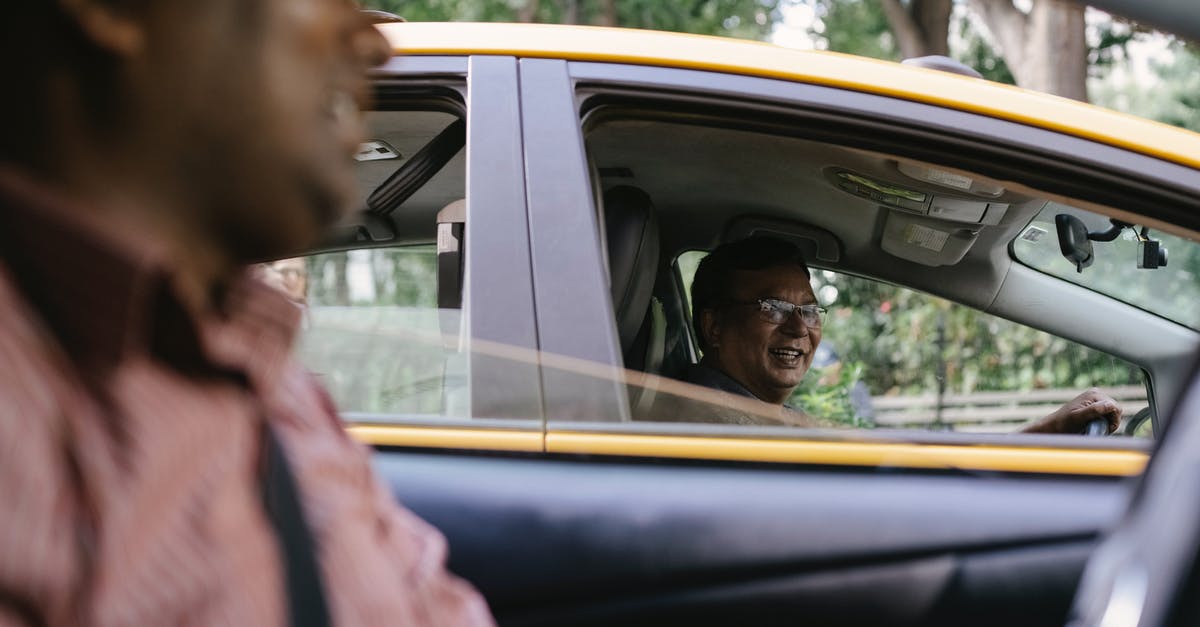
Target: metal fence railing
<point>988,411</point>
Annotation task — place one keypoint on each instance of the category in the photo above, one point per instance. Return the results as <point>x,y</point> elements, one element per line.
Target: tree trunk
<point>922,27</point>
<point>608,13</point>
<point>571,12</point>
<point>341,280</point>
<point>933,18</point>
<point>1057,50</point>
<point>1046,48</point>
<point>528,11</point>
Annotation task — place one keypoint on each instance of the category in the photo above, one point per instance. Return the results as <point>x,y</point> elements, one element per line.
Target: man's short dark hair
<point>38,44</point>
<point>717,273</point>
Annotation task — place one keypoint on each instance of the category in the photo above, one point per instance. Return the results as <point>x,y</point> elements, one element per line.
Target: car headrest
<point>631,227</point>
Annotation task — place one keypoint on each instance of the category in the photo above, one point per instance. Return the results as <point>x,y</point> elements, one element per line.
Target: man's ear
<point>710,328</point>
<point>119,31</point>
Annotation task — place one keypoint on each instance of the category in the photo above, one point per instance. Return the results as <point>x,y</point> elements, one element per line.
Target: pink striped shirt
<point>131,430</point>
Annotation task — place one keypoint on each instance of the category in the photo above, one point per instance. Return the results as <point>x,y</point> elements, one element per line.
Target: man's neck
<point>712,363</point>
<point>200,267</point>
<point>119,181</point>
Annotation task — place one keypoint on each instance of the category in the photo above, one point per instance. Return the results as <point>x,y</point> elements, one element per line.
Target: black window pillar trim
<point>570,274</point>
<point>498,300</point>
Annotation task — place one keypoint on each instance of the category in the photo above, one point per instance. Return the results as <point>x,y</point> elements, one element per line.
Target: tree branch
<point>570,11</point>
<point>1057,38</point>
<point>933,20</point>
<point>608,14</point>
<point>904,27</point>
<point>528,11</point>
<point>1009,27</point>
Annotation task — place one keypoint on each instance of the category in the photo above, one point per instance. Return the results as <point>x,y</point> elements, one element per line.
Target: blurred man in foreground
<point>758,323</point>
<point>162,458</point>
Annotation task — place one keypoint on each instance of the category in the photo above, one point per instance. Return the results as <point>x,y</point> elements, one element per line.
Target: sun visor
<point>926,241</point>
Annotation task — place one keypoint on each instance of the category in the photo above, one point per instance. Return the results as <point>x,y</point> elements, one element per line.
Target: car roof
<point>706,202</point>
<point>753,58</point>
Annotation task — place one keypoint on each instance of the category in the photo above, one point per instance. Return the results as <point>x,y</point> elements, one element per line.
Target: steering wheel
<point>1097,427</point>
<point>1133,424</point>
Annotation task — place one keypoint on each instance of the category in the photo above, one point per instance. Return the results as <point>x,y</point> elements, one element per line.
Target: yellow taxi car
<point>507,323</point>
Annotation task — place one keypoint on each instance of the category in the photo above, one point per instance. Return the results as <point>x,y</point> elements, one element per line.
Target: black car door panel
<point>607,541</point>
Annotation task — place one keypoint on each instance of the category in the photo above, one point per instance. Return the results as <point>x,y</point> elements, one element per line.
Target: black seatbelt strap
<point>305,597</point>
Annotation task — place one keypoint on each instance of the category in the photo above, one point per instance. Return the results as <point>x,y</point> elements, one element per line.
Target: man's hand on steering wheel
<point>1076,414</point>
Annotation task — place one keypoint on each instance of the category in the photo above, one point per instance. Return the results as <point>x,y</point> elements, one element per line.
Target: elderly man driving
<point>758,323</point>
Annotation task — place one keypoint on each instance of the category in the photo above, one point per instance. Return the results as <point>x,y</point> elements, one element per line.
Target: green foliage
<point>374,330</point>
<point>855,27</point>
<point>447,10</point>
<point>860,27</point>
<point>826,392</point>
<point>887,339</point>
<point>387,276</point>
<point>1113,45</point>
<point>1171,95</point>
<point>979,54</point>
<point>1171,291</point>
<point>750,19</point>
<point>1178,102</point>
<point>905,341</point>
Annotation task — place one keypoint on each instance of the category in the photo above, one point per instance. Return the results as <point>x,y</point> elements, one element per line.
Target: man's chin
<point>790,377</point>
<point>285,234</point>
<point>326,202</point>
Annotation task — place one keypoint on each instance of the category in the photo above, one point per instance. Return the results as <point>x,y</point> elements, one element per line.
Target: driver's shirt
<point>709,377</point>
<point>131,431</point>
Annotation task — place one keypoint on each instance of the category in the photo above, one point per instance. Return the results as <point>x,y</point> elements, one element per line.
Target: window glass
<point>1117,268</point>
<point>376,337</point>
<point>373,330</point>
<point>890,357</point>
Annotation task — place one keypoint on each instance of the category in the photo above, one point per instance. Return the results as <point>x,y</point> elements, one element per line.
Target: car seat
<point>633,246</point>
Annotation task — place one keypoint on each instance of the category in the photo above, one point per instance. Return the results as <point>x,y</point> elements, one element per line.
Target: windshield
<point>1170,291</point>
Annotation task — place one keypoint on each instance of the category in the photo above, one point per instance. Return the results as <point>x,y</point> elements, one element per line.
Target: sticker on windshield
<point>376,150</point>
<point>925,237</point>
<point>1033,234</point>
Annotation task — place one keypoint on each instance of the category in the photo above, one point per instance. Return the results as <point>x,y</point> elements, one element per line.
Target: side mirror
<point>1073,241</point>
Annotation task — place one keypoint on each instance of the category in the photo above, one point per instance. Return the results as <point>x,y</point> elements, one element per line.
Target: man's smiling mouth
<point>790,356</point>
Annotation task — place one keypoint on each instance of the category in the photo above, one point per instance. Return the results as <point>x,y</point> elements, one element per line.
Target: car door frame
<point>1099,173</point>
<point>613,538</point>
<point>499,321</point>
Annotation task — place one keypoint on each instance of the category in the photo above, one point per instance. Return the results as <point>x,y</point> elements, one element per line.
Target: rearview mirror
<point>1073,240</point>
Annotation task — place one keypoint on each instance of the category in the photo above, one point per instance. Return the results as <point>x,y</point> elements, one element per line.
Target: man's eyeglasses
<point>778,311</point>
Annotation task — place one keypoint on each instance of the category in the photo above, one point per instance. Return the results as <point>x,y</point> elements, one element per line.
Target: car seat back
<point>631,230</point>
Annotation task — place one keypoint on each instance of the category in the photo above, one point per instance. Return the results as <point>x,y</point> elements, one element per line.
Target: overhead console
<point>934,228</point>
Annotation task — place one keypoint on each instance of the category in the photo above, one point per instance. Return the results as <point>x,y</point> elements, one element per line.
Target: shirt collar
<point>710,377</point>
<point>106,288</point>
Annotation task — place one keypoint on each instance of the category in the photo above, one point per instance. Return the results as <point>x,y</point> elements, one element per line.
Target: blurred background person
<point>289,276</point>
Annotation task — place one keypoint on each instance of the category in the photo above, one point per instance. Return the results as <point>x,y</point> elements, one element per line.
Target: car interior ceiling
<point>699,178</point>
<point>412,136</point>
<point>703,184</point>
